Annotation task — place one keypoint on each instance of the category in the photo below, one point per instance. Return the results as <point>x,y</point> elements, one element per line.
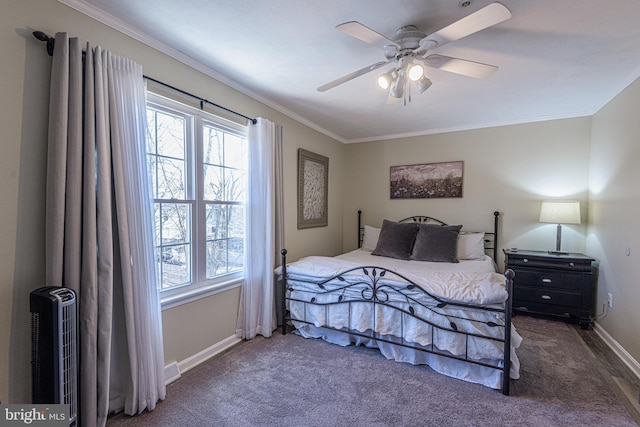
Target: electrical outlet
<point>610,300</point>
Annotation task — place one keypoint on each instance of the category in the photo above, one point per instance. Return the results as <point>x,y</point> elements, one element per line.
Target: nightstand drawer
<point>522,295</point>
<point>538,278</point>
<point>552,279</point>
<point>552,263</point>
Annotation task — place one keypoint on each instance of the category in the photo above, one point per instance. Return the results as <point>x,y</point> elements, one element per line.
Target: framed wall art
<point>313,189</point>
<point>426,181</point>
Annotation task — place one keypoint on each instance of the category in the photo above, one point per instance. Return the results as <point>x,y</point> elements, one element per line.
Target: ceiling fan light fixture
<point>416,72</point>
<point>423,84</point>
<point>397,89</point>
<point>385,80</point>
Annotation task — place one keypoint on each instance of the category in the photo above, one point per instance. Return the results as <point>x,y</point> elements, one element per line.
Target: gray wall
<point>614,219</point>
<point>510,169</point>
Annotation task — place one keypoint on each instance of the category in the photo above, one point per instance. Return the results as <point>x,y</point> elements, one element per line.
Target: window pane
<point>216,222</point>
<point>173,237</point>
<point>175,225</point>
<point>216,258</point>
<point>171,179</point>
<point>213,183</point>
<point>234,151</point>
<point>235,185</point>
<point>174,266</point>
<point>235,247</point>
<point>235,224</point>
<point>170,135</point>
<point>225,241</point>
<point>212,146</point>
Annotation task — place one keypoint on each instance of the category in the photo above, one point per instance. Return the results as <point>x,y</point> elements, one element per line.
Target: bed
<point>421,291</point>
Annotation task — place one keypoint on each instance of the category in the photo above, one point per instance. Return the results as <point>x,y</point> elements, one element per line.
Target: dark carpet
<point>292,381</point>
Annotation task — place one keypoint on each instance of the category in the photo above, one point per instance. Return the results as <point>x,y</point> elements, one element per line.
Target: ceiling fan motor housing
<point>408,37</point>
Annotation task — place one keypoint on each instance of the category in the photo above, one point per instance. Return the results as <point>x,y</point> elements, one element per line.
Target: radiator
<point>54,360</point>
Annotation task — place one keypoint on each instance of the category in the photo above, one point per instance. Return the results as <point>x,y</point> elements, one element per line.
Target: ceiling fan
<point>410,48</point>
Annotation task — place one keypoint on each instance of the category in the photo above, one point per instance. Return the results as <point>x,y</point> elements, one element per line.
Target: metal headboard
<point>490,237</point>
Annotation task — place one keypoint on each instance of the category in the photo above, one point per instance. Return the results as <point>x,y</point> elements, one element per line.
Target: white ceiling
<point>556,58</point>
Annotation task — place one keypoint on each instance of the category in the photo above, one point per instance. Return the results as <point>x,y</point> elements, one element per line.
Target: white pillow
<point>470,246</point>
<point>370,238</point>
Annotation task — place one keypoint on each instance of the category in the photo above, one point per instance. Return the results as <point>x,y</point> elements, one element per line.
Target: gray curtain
<point>99,233</point>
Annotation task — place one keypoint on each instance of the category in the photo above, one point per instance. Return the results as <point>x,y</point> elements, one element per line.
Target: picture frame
<point>313,189</point>
<point>426,181</point>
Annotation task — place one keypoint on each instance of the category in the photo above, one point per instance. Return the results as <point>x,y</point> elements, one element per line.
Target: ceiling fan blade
<point>484,18</point>
<point>364,33</point>
<point>463,67</point>
<point>351,76</point>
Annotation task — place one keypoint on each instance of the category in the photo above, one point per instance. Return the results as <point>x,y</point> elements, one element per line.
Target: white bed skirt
<point>459,369</point>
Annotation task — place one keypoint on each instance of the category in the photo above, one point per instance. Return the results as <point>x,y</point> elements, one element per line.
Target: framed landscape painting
<point>313,189</point>
<point>426,181</point>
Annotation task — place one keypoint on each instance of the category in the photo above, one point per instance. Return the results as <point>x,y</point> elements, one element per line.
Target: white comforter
<point>471,282</point>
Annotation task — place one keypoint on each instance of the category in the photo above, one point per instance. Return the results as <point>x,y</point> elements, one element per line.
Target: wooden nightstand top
<point>525,253</point>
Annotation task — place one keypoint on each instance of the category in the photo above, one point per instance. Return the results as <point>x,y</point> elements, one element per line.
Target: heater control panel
<point>553,284</point>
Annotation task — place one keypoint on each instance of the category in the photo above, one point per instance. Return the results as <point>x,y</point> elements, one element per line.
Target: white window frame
<point>200,286</point>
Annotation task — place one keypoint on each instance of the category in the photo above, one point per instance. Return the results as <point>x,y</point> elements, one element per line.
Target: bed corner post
<point>496,216</point>
<point>284,291</point>
<point>359,228</point>
<point>506,373</point>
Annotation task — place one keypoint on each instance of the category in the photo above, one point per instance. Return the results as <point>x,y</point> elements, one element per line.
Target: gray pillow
<point>436,243</point>
<point>396,240</point>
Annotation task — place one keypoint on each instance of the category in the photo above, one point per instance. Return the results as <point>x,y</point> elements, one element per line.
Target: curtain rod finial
<point>45,38</point>
<point>41,36</point>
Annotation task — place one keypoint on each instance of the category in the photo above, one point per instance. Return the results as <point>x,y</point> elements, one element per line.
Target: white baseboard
<point>626,358</point>
<point>174,370</point>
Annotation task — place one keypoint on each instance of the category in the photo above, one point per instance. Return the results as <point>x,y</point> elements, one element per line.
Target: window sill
<point>171,301</point>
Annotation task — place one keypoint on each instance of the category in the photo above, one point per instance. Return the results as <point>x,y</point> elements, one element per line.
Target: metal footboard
<point>381,287</point>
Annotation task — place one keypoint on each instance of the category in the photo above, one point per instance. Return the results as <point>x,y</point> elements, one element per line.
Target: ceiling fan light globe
<point>384,81</point>
<point>415,72</point>
<point>423,84</point>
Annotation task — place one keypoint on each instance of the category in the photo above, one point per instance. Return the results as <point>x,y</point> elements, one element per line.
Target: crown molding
<point>123,27</point>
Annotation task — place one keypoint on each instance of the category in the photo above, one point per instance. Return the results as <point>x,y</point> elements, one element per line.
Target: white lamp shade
<point>560,212</point>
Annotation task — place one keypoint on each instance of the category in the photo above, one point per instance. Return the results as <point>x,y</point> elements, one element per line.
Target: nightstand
<point>553,284</point>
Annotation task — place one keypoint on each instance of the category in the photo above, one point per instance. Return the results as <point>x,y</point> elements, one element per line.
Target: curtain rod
<point>51,44</point>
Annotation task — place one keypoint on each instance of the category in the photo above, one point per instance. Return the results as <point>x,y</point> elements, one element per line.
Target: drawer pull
<point>546,280</point>
<point>525,260</point>
<point>546,297</point>
<point>572,264</point>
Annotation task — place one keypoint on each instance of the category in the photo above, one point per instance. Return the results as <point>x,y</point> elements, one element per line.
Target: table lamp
<point>560,212</point>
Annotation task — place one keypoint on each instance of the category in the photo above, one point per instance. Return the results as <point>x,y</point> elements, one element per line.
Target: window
<point>197,168</point>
